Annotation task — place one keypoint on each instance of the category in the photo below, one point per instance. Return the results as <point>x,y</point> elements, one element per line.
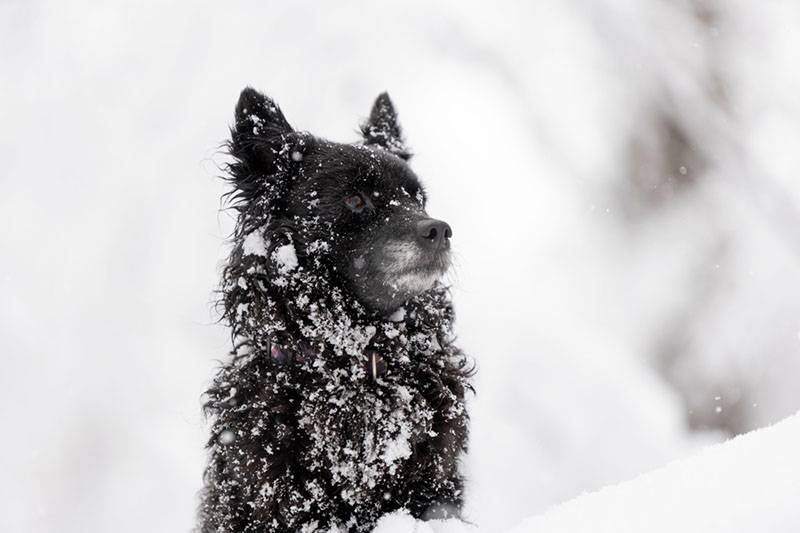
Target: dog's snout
<point>433,234</point>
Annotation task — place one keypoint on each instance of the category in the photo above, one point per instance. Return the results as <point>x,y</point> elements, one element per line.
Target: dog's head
<point>355,209</point>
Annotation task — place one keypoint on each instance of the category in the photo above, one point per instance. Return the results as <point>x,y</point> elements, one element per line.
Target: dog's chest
<point>361,430</point>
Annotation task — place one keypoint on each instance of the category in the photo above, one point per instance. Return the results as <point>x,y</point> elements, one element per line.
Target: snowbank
<point>750,484</point>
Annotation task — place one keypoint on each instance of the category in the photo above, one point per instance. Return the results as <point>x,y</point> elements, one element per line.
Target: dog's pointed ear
<point>383,129</point>
<point>259,133</point>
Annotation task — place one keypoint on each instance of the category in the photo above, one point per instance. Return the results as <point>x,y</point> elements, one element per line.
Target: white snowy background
<point>622,178</point>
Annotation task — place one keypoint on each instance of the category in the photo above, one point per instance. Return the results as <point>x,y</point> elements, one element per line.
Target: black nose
<point>433,234</point>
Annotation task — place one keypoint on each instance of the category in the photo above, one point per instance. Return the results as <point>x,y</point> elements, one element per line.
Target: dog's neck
<point>277,296</point>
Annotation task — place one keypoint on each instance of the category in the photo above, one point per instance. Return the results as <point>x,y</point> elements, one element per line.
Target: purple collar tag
<point>278,354</point>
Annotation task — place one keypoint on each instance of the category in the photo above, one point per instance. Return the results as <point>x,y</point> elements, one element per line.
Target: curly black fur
<point>343,398</point>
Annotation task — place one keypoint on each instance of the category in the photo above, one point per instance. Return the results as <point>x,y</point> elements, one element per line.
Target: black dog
<point>344,396</point>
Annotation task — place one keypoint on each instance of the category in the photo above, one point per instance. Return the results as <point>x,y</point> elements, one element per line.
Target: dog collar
<point>375,364</point>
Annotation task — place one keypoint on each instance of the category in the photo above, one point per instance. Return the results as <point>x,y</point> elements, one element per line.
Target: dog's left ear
<point>383,129</point>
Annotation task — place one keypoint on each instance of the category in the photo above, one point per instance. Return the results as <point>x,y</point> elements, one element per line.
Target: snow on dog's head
<point>356,210</point>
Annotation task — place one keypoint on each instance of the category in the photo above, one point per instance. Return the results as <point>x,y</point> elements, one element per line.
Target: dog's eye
<point>355,203</point>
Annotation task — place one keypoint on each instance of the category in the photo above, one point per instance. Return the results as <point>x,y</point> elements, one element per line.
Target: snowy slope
<point>750,484</point>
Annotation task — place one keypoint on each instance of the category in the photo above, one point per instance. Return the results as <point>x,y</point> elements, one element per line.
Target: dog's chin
<point>414,282</point>
<point>385,292</point>
<point>402,288</point>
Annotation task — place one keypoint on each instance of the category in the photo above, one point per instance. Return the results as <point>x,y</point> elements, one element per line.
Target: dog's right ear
<point>258,135</point>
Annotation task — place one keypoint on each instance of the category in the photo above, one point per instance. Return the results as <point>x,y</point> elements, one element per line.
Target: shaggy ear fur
<point>383,129</point>
<point>258,135</point>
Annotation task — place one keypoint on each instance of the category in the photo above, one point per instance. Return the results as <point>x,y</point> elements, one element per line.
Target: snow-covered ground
<point>621,177</point>
<point>747,484</point>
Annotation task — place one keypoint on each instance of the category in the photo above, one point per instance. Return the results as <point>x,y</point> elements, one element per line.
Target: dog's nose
<point>433,234</point>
